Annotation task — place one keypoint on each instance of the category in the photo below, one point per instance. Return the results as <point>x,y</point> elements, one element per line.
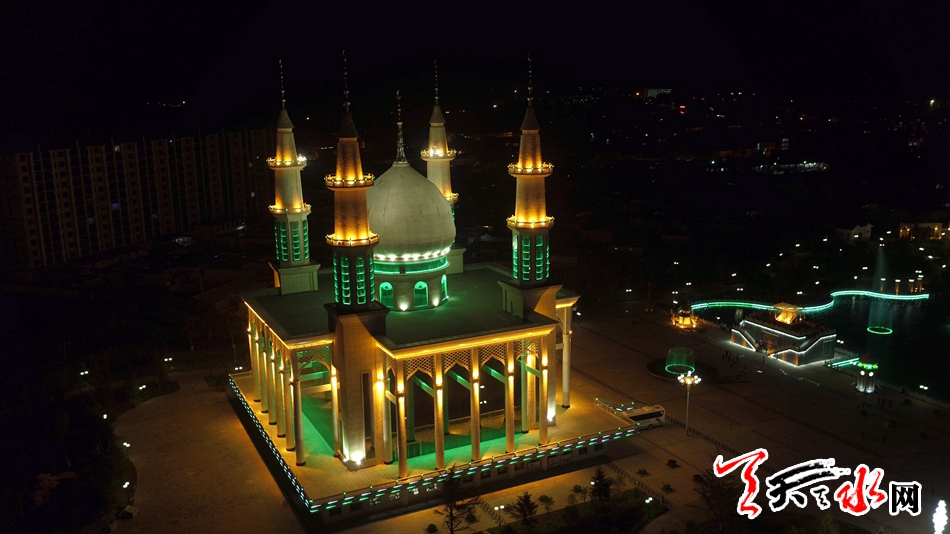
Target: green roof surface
<point>474,307</point>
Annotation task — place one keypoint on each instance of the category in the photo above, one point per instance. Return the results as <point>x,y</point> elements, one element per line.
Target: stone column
<point>260,344</point>
<point>566,359</point>
<point>439,429</point>
<point>401,413</point>
<point>300,451</point>
<point>335,409</point>
<point>252,351</point>
<point>279,397</point>
<point>510,397</point>
<point>272,407</point>
<point>529,390</point>
<point>476,409</point>
<point>475,412</point>
<point>543,403</point>
<point>289,375</point>
<point>384,449</point>
<point>265,377</point>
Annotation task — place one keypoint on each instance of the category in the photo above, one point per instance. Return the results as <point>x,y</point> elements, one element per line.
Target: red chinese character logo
<point>853,498</point>
<point>752,461</point>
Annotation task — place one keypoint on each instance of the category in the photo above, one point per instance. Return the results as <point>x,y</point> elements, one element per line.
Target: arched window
<point>445,288</point>
<point>386,294</point>
<point>421,293</point>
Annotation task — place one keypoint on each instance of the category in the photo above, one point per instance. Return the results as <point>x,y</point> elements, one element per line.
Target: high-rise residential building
<point>65,203</point>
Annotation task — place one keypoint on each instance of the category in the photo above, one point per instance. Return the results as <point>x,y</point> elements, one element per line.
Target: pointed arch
<point>420,295</point>
<point>386,294</point>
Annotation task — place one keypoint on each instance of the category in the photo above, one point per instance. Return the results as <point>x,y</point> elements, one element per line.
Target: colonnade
<point>276,375</point>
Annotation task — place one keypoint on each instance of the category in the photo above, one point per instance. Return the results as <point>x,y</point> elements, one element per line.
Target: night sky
<point>74,68</point>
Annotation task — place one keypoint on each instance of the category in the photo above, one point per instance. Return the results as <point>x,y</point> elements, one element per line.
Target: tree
<point>524,510</point>
<point>719,496</point>
<point>600,485</point>
<point>455,509</point>
<point>571,515</point>
<point>580,490</point>
<point>548,503</point>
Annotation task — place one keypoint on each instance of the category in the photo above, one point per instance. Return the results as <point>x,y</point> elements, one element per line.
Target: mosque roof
<point>474,308</point>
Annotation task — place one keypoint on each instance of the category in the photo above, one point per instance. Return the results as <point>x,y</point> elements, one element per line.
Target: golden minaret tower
<point>437,155</point>
<point>295,272</point>
<point>531,262</point>
<point>352,241</point>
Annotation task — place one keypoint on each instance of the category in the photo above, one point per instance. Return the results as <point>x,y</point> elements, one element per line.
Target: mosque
<point>403,351</point>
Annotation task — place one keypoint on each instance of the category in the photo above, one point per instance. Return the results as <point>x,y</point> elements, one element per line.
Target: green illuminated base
<point>881,330</point>
<point>679,369</point>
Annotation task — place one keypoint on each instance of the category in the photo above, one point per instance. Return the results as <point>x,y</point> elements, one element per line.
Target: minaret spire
<point>530,83</point>
<point>438,155</point>
<point>296,273</point>
<point>530,223</point>
<point>283,97</point>
<point>400,145</point>
<point>352,241</point>
<point>346,87</point>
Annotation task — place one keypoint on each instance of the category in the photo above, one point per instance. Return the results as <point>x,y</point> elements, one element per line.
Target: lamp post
<point>688,380</point>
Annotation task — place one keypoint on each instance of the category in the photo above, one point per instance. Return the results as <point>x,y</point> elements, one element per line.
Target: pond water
<point>916,353</point>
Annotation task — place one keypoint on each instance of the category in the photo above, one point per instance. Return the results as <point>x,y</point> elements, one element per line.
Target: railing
<point>492,513</point>
<point>640,485</point>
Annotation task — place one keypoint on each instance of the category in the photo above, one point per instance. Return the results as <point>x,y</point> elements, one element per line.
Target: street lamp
<point>688,380</point>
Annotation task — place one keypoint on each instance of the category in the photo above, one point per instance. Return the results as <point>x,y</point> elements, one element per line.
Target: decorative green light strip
<point>514,256</point>
<point>880,330</point>
<point>306,240</point>
<point>295,240</point>
<point>809,309</point>
<point>411,267</point>
<point>283,256</point>
<point>885,296</point>
<point>731,304</point>
<point>842,363</point>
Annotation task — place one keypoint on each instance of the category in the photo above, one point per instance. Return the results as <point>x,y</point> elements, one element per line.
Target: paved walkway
<point>797,413</point>
<point>197,469</point>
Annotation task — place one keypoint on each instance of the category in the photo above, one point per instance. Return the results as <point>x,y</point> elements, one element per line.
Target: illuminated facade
<point>783,333</point>
<point>340,363</point>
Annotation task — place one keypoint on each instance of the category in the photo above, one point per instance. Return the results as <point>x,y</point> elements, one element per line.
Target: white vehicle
<point>646,416</point>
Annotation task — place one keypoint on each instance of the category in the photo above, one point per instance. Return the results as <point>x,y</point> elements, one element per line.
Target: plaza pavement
<point>197,468</point>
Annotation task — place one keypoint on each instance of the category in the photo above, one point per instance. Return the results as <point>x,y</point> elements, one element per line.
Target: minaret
<point>352,241</point>
<point>531,263</point>
<point>438,155</point>
<point>531,291</point>
<point>291,232</point>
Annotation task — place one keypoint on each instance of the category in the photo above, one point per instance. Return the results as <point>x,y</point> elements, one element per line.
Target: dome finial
<point>530,84</point>
<point>400,145</point>
<point>435,64</point>
<point>283,97</point>
<point>346,87</point>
